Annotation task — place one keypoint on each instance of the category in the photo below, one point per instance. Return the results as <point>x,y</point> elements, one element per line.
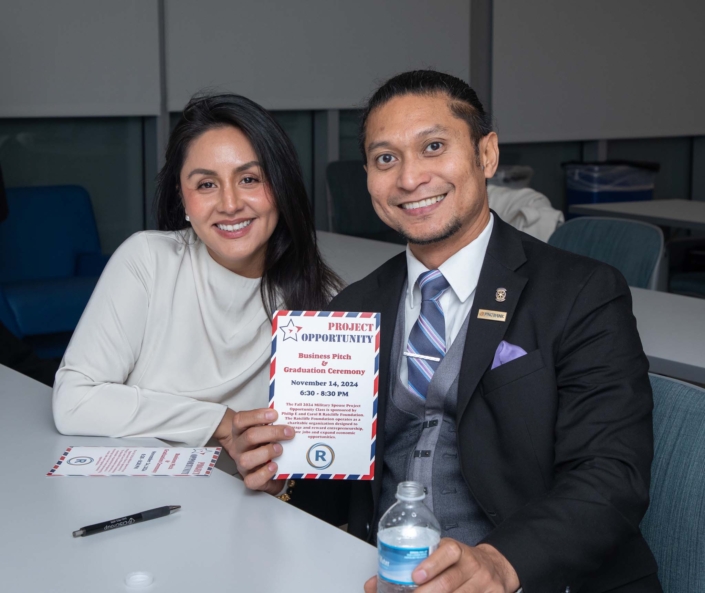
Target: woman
<point>177,332</point>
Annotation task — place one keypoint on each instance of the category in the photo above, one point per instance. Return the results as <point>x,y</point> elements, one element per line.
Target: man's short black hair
<point>463,100</point>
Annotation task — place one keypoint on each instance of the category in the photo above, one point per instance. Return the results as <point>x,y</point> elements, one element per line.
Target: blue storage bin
<point>596,183</point>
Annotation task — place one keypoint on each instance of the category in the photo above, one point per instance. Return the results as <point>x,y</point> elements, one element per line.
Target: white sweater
<point>169,339</point>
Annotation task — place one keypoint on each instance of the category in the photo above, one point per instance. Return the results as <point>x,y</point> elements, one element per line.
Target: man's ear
<point>488,148</point>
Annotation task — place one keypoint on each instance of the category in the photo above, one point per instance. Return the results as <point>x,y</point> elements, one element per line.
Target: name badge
<point>492,315</point>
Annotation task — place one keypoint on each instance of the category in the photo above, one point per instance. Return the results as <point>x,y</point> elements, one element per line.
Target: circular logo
<point>320,456</point>
<point>79,460</point>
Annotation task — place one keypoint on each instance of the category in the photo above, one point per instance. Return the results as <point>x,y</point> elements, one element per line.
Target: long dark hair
<point>293,268</point>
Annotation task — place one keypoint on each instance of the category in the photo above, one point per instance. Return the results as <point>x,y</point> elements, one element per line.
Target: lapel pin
<point>501,295</point>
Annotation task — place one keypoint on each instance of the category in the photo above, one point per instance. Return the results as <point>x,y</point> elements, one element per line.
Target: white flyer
<point>324,380</point>
<point>136,462</point>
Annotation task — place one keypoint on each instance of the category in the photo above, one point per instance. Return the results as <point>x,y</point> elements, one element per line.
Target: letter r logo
<point>320,456</point>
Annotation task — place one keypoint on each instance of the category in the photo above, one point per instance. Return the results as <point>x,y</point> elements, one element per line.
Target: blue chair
<point>674,525</point>
<point>634,248</point>
<point>50,261</point>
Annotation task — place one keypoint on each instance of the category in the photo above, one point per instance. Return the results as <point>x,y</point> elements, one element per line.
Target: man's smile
<point>423,203</point>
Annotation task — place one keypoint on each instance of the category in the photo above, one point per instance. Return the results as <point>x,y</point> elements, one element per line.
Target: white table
<point>672,331</point>
<point>225,538</point>
<point>672,327</point>
<point>685,214</point>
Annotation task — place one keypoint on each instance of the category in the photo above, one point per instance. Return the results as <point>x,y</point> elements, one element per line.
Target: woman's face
<point>228,201</point>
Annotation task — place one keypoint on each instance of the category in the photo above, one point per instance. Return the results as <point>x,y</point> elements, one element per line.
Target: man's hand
<point>457,567</point>
<point>252,442</point>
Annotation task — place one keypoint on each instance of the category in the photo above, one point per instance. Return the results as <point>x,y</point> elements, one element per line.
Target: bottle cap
<point>410,491</point>
<point>139,580</point>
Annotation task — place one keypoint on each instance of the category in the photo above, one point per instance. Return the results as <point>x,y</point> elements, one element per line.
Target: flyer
<point>136,462</point>
<point>324,379</point>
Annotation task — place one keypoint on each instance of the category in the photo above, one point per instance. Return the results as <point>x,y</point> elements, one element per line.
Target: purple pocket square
<point>505,353</point>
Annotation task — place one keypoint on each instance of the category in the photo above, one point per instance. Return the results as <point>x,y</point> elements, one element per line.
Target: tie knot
<point>432,284</point>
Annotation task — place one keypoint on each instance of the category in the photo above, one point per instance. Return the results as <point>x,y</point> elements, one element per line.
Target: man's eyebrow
<point>239,169</point>
<point>379,144</point>
<point>438,129</point>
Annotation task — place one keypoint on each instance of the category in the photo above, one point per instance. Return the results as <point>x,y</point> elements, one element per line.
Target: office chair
<point>634,248</point>
<point>50,261</point>
<point>675,521</point>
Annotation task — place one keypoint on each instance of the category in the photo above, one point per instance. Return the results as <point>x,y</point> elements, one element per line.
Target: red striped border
<point>272,389</point>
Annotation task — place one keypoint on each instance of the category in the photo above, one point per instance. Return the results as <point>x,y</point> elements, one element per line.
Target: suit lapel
<point>504,255</point>
<point>386,302</point>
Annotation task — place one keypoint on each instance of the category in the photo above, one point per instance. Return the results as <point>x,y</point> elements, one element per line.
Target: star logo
<point>290,331</point>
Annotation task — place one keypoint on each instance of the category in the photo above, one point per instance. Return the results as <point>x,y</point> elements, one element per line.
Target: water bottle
<point>408,533</point>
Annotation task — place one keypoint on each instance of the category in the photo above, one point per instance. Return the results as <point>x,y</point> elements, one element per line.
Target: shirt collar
<point>462,269</point>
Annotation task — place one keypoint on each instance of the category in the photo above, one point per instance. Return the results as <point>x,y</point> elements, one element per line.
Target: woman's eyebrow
<point>200,172</point>
<point>239,169</point>
<point>247,166</point>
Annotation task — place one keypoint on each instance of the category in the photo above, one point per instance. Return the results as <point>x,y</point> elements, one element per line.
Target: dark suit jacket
<point>556,446</point>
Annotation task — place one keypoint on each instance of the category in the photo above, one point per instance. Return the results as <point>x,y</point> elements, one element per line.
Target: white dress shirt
<point>462,271</point>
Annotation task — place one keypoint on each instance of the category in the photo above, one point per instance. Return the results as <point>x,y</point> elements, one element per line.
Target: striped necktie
<point>427,340</point>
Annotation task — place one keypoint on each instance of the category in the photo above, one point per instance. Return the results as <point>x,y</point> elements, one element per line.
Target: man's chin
<point>430,238</point>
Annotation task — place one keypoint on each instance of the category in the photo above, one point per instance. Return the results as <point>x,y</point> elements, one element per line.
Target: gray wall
<point>599,69</point>
<point>309,54</point>
<point>78,58</point>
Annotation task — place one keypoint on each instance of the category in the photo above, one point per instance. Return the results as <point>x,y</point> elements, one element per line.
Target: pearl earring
<point>188,218</point>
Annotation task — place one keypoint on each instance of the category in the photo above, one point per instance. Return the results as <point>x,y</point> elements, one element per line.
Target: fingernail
<point>420,576</point>
<point>289,432</point>
<point>270,415</point>
<point>272,467</point>
<point>277,448</point>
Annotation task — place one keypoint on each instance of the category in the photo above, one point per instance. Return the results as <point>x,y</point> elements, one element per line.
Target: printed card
<point>136,462</point>
<point>324,379</point>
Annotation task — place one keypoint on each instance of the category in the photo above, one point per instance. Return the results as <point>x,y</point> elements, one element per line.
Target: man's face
<point>423,173</point>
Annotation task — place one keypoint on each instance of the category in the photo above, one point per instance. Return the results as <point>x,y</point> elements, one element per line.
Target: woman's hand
<point>252,441</point>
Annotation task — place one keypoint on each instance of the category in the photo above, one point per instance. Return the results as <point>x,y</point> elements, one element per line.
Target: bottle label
<point>396,564</point>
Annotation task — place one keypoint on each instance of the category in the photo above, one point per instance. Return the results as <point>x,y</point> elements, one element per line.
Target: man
<point>513,383</point>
